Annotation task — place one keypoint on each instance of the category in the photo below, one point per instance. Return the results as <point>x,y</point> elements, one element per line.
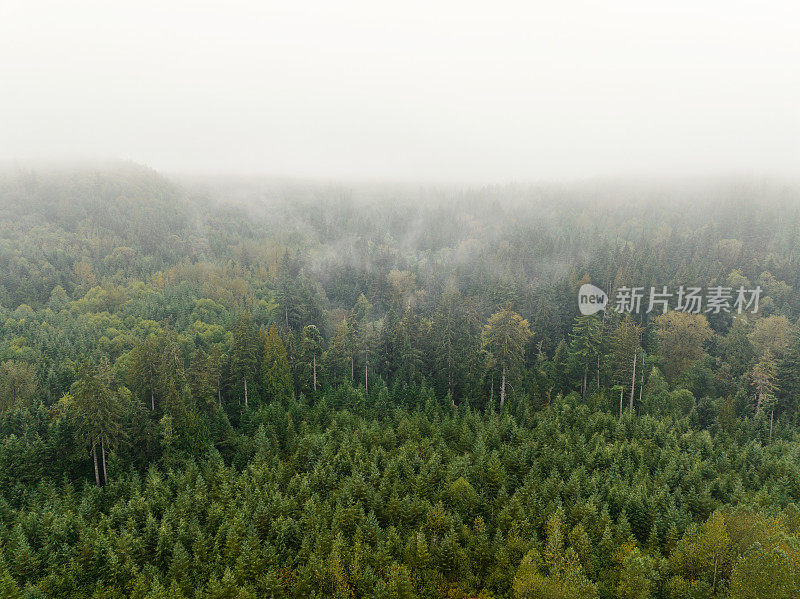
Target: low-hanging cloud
<point>451,91</point>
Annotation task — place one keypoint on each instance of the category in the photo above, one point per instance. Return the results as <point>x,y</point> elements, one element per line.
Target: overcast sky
<point>411,90</point>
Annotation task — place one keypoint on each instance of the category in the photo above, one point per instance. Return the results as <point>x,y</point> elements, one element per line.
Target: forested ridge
<point>243,388</point>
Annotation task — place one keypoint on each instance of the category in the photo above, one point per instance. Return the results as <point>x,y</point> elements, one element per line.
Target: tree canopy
<point>323,394</point>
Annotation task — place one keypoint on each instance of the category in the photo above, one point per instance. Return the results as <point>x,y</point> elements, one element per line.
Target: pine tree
<point>244,354</point>
<point>312,348</point>
<point>100,407</point>
<point>681,336</point>
<point>626,355</point>
<point>171,380</point>
<point>17,384</point>
<point>276,375</point>
<point>788,376</point>
<point>452,341</point>
<point>504,339</point>
<point>143,367</point>
<point>585,346</point>
<point>9,589</point>
<point>558,369</point>
<point>764,379</point>
<point>364,332</point>
<point>343,349</point>
<point>205,378</point>
<point>180,566</point>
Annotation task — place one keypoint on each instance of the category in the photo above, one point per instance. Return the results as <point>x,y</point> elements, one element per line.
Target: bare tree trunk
<point>315,373</point>
<point>366,379</point>
<point>152,400</point>
<point>245,392</point>
<point>771,417</point>
<point>450,383</point>
<point>621,391</point>
<point>583,387</point>
<point>598,373</point>
<point>633,382</point>
<point>96,471</point>
<point>714,582</point>
<point>641,387</point>
<point>352,368</point>
<point>450,378</point>
<point>103,453</point>
<point>503,390</point>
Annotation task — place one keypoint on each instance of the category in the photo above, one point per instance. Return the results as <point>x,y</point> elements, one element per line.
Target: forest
<point>243,388</point>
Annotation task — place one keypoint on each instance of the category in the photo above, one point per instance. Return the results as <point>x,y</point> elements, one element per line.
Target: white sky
<point>411,90</point>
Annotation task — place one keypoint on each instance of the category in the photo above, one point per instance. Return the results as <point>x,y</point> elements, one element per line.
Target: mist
<point>408,92</point>
<point>416,300</point>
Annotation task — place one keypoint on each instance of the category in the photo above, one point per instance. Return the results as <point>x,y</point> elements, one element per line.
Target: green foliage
<point>275,374</point>
<point>299,401</point>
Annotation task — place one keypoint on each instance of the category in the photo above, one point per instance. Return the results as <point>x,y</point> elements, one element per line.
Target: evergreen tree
<point>312,348</point>
<point>585,347</point>
<point>504,339</point>
<point>100,408</point>
<point>276,375</point>
<point>681,336</point>
<point>626,355</point>
<point>244,354</point>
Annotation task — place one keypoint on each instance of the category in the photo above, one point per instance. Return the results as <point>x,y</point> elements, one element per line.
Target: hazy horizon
<point>457,93</point>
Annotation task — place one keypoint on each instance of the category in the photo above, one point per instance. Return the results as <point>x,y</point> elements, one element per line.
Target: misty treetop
<point>255,389</point>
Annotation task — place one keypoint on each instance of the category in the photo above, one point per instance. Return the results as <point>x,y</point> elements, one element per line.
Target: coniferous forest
<point>243,389</point>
